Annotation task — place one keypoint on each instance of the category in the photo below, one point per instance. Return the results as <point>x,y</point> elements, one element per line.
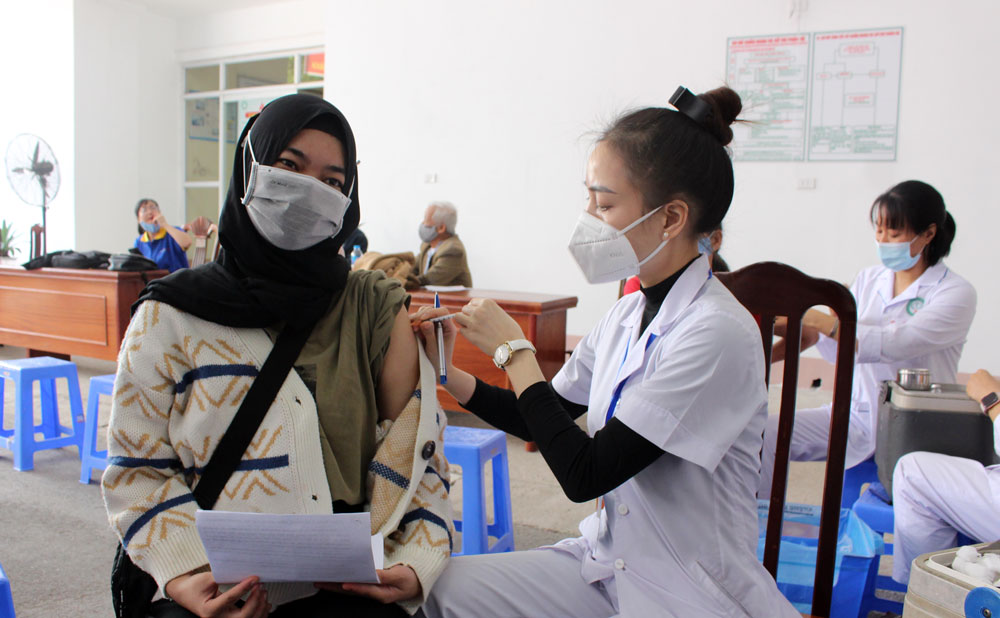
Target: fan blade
<point>34,160</point>
<point>43,168</point>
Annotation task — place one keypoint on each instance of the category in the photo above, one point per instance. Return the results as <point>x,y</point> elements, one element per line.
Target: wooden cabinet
<point>65,311</point>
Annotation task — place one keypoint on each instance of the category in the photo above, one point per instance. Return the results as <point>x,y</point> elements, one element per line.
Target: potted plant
<point>7,236</point>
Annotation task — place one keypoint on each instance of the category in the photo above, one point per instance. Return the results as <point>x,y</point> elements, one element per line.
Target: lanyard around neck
<point>618,391</point>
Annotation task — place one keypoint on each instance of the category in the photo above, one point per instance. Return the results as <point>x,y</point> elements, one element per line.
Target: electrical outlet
<point>806,183</point>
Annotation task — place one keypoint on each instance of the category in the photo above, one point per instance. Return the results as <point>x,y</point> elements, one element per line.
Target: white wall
<point>256,30</point>
<point>36,43</point>
<point>498,99</point>
<point>127,121</point>
<point>129,114</point>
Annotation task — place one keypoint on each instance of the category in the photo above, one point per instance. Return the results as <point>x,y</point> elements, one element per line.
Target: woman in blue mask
<point>158,240</point>
<point>913,311</point>
<point>343,429</point>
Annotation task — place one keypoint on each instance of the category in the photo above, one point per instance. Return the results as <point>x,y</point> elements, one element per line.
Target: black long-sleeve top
<point>585,467</point>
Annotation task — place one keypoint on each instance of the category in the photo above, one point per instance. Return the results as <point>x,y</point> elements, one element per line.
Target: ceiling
<point>190,8</point>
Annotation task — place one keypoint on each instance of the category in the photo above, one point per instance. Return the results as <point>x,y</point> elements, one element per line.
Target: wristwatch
<point>505,351</point>
<point>989,401</point>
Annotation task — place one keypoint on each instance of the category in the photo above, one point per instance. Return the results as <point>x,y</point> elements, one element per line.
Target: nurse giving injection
<point>671,381</point>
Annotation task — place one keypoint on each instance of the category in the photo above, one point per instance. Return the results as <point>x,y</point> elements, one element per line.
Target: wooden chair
<point>37,241</point>
<point>768,290</point>
<point>202,229</point>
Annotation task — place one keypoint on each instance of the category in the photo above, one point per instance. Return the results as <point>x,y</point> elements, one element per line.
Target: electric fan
<point>33,173</point>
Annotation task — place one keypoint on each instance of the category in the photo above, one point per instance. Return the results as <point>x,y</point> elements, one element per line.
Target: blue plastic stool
<point>93,459</point>
<point>471,448</point>
<point>6,599</point>
<point>877,513</point>
<point>854,479</point>
<point>21,440</point>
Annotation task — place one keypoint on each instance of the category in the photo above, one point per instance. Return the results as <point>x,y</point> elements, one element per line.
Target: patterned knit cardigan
<point>181,380</point>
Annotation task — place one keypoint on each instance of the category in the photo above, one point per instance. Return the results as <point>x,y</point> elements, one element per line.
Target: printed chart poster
<point>855,95</point>
<point>203,119</point>
<point>771,75</point>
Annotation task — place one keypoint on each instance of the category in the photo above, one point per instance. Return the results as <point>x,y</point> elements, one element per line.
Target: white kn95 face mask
<point>603,252</point>
<point>292,211</point>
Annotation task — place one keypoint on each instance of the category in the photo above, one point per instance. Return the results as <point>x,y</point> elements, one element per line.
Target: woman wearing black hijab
<point>346,431</point>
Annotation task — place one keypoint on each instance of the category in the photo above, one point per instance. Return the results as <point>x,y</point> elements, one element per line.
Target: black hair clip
<point>691,106</point>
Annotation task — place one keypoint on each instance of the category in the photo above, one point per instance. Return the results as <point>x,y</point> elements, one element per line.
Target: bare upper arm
<point>400,370</point>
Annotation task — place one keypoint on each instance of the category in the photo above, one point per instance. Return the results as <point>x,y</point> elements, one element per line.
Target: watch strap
<point>520,344</point>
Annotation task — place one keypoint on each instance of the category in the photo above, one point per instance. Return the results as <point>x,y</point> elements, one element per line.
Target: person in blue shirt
<point>158,240</point>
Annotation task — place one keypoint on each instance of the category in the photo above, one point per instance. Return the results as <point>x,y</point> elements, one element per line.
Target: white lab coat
<point>679,538</point>
<point>924,327</point>
<point>936,496</point>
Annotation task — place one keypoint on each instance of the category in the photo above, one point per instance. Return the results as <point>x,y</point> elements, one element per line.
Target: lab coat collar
<point>930,277</point>
<point>680,296</point>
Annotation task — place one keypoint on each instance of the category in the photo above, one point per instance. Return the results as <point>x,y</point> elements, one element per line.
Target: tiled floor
<point>57,548</point>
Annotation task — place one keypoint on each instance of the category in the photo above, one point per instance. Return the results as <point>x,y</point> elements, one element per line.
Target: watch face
<point>502,355</point>
<point>989,400</point>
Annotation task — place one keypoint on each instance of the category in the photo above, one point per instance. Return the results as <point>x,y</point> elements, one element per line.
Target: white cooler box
<point>937,591</point>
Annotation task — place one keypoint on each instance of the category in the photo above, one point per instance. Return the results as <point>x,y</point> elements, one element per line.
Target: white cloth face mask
<point>603,252</point>
<point>292,211</point>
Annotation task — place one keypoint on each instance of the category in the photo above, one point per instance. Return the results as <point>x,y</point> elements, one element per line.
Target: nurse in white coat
<point>936,496</point>
<point>672,382</point>
<point>913,312</point>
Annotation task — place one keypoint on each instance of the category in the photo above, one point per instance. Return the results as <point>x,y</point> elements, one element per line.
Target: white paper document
<point>296,548</point>
<point>445,288</point>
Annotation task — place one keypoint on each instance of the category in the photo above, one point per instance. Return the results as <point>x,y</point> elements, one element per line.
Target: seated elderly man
<point>442,255</point>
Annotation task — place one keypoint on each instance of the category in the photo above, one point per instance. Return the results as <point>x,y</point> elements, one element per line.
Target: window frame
<point>233,95</point>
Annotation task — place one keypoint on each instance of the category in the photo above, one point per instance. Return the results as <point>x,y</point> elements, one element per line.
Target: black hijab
<point>254,283</point>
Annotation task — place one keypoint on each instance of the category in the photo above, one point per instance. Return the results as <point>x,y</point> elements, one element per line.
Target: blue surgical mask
<point>427,233</point>
<point>896,255</point>
<point>705,245</point>
<point>151,228</point>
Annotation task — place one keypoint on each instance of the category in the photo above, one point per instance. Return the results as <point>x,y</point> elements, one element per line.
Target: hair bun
<point>726,106</point>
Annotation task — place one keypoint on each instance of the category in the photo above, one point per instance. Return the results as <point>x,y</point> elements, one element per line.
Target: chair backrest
<point>37,248</point>
<point>768,290</point>
<point>202,229</point>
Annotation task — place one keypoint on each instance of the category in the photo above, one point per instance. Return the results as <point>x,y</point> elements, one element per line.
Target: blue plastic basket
<point>858,549</point>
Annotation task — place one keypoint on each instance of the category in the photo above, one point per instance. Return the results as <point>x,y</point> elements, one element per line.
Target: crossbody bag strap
<point>258,400</point>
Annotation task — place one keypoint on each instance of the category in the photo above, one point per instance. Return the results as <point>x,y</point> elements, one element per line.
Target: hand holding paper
<point>398,583</point>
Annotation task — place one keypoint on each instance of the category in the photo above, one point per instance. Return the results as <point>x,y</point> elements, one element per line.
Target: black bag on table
<point>132,589</point>
<point>131,262</point>
<point>69,259</point>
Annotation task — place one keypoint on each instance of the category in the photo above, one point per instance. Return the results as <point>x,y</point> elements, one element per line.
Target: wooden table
<point>63,311</point>
<point>542,317</point>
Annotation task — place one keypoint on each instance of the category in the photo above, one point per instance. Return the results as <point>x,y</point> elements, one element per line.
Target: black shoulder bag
<point>132,589</point>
